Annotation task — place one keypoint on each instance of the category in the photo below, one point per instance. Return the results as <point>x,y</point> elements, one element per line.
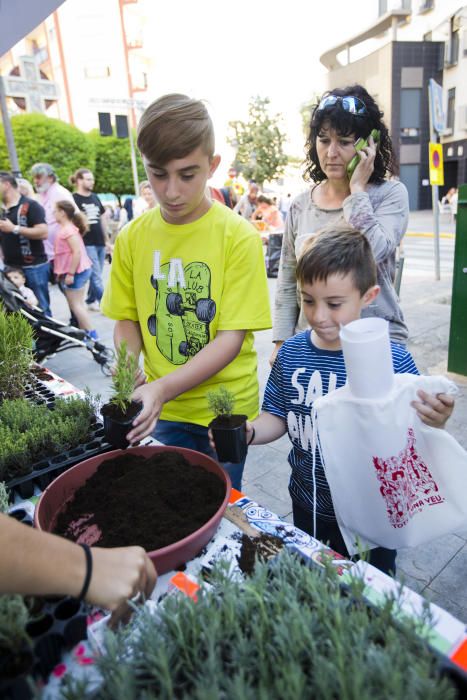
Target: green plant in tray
<point>16,354</point>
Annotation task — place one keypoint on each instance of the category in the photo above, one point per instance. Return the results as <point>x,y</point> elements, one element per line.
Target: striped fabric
<point>301,373</point>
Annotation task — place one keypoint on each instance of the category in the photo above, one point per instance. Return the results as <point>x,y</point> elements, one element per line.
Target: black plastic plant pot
<point>229,437</point>
<point>117,424</point>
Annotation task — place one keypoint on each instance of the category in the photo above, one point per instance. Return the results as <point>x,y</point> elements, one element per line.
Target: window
<point>451,108</point>
<point>451,55</point>
<point>425,6</point>
<point>410,111</point>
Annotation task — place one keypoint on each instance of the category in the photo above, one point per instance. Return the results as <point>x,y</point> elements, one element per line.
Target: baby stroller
<point>52,336</point>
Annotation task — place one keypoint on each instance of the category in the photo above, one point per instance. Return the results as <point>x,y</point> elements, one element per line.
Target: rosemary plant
<point>123,379</point>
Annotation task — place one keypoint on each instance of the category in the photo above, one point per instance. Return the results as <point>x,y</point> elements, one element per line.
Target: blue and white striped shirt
<point>301,373</point>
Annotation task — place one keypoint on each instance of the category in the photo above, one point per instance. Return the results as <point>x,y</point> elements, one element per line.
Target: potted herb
<point>120,411</point>
<point>16,354</point>
<point>228,429</point>
<point>287,632</point>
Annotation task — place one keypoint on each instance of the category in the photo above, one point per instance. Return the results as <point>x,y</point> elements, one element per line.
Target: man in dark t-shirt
<point>94,239</point>
<point>22,232</point>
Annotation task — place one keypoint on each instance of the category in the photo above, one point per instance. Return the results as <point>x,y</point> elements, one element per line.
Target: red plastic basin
<point>56,495</point>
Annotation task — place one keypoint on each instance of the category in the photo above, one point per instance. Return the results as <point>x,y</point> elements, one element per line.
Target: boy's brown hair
<point>338,250</point>
<point>172,127</point>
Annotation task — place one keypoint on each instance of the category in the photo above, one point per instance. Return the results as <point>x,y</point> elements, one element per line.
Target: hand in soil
<point>117,575</point>
<point>152,398</point>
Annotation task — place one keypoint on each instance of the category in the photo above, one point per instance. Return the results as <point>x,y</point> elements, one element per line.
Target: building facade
<point>110,64</point>
<point>408,43</point>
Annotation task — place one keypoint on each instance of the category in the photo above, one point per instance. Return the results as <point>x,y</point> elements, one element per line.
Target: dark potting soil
<point>264,547</point>
<point>113,411</point>
<point>41,374</point>
<point>151,502</point>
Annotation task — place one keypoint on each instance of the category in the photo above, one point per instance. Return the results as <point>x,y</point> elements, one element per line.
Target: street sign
<point>122,103</point>
<point>436,164</point>
<point>438,117</point>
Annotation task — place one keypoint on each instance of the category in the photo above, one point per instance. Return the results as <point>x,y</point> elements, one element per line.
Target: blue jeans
<point>329,533</point>
<point>195,437</point>
<point>96,255</point>
<point>37,279</point>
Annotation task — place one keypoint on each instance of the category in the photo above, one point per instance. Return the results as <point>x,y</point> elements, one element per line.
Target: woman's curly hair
<point>346,123</point>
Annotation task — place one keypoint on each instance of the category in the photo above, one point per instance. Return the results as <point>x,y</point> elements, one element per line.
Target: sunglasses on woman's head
<point>349,103</point>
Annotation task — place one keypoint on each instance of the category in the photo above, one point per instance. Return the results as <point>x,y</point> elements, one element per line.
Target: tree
<point>113,164</point>
<point>41,139</point>
<point>306,110</point>
<point>259,142</point>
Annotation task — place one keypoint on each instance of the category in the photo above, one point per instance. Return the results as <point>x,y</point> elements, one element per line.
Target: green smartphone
<point>361,143</point>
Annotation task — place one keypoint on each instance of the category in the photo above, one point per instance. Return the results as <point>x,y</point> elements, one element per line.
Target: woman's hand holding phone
<point>361,166</point>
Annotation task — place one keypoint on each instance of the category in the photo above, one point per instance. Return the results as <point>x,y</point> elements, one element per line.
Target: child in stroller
<point>51,335</point>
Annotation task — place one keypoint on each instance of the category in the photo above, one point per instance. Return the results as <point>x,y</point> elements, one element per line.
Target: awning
<point>19,17</point>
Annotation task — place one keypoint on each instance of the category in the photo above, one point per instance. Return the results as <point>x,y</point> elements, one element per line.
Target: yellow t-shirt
<point>183,283</point>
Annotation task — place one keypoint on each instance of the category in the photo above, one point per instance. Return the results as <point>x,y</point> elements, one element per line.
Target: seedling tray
<point>45,471</point>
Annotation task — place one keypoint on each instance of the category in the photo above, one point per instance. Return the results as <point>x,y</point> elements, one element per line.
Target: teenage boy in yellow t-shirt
<point>188,285</point>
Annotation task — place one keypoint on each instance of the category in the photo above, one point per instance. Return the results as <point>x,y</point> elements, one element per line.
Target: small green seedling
<point>221,401</point>
<point>4,500</point>
<point>123,379</point>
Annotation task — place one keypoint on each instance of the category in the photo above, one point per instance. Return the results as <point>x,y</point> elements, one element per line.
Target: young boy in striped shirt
<point>337,278</point>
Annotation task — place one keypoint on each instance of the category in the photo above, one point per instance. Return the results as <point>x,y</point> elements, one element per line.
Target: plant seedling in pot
<point>120,411</point>
<point>228,429</point>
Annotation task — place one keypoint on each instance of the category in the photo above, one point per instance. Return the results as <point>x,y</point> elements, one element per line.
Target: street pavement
<point>437,570</point>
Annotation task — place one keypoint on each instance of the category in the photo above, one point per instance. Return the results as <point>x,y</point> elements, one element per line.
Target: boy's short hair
<point>338,250</point>
<point>172,127</point>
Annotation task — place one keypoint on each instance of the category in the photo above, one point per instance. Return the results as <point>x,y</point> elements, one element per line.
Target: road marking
<point>427,234</point>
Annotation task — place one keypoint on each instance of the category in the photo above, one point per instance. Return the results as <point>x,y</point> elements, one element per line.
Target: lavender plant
<point>288,632</point>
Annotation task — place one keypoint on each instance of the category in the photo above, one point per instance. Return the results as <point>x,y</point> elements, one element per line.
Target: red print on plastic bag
<point>406,484</point>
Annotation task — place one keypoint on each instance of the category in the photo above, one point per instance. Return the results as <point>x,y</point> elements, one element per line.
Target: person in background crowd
<point>18,278</point>
<point>49,191</point>
<point>90,204</point>
<point>23,232</point>
<point>247,204</point>
<point>25,187</point>
<point>367,200</point>
<point>128,206</point>
<point>145,201</point>
<point>236,182</point>
<point>230,196</point>
<point>267,212</point>
<point>284,205</point>
<point>71,262</point>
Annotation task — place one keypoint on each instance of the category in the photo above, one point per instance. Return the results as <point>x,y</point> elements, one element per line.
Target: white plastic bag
<point>395,482</point>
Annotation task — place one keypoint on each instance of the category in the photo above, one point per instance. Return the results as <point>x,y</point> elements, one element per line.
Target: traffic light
<point>121,123</point>
<point>105,125</point>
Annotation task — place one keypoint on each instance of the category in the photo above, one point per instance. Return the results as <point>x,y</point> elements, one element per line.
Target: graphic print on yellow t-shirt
<point>183,311</point>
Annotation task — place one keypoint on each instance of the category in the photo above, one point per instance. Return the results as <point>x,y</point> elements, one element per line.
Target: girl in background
<point>71,262</point>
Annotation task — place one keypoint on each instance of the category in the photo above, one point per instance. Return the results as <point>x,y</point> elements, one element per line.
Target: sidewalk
<point>438,570</point>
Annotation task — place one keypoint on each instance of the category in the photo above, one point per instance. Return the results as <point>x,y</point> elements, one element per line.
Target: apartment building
<point>82,59</point>
<point>406,44</point>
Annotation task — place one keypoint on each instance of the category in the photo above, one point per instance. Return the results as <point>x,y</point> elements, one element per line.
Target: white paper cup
<point>368,357</point>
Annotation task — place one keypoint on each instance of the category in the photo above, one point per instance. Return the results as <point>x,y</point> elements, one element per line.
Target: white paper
<point>367,357</point>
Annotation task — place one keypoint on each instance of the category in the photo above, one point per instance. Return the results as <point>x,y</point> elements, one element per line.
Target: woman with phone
<point>350,175</point>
